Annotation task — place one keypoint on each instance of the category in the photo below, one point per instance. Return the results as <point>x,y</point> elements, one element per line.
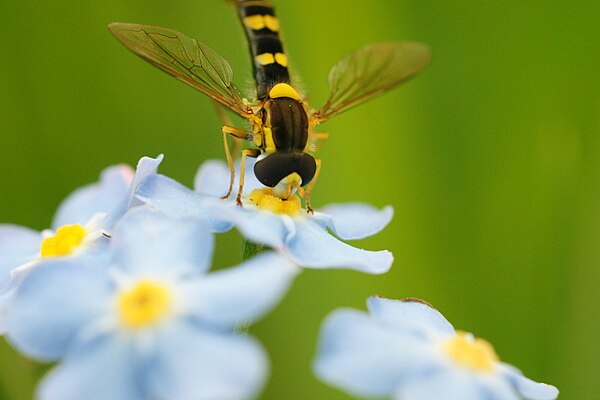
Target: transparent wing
<point>186,59</point>
<point>370,71</point>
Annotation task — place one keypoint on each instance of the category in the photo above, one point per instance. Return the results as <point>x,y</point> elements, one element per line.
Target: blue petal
<point>352,221</point>
<point>53,302</point>
<point>146,167</point>
<point>100,370</point>
<point>411,317</point>
<point>313,247</point>
<point>5,302</point>
<point>527,388</point>
<point>213,176</point>
<point>363,357</point>
<point>18,245</point>
<point>455,384</point>
<point>148,242</point>
<point>171,197</point>
<point>260,227</point>
<point>81,205</point>
<point>241,294</point>
<point>196,364</point>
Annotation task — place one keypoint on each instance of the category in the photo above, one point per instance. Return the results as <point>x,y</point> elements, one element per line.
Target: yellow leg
<point>237,146</point>
<point>288,191</point>
<point>245,153</point>
<point>226,120</point>
<point>310,187</point>
<point>237,133</point>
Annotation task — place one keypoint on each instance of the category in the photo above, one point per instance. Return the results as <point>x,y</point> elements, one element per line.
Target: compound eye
<point>272,169</point>
<point>306,168</point>
<point>276,166</point>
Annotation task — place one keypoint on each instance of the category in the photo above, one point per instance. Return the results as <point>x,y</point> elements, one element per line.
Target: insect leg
<point>237,133</point>
<point>310,186</point>
<point>245,153</point>
<point>227,121</point>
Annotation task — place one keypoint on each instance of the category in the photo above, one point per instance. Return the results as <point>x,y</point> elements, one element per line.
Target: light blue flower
<point>151,323</point>
<point>304,238</point>
<point>79,227</point>
<point>407,350</point>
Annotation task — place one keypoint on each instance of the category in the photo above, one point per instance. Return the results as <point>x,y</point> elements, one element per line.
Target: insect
<point>282,125</point>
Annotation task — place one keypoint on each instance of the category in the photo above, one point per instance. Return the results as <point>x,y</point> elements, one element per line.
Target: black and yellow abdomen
<point>283,133</point>
<point>269,61</point>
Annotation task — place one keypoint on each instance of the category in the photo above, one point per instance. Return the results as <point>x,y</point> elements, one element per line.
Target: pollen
<point>64,242</point>
<point>143,305</point>
<point>470,352</point>
<point>264,199</point>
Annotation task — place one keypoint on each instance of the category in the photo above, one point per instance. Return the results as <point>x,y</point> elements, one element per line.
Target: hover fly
<point>281,124</point>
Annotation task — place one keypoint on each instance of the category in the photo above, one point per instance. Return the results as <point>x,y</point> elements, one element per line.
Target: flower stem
<point>250,250</point>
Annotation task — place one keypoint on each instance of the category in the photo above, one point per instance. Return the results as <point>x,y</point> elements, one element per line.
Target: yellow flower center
<point>64,242</point>
<point>264,199</point>
<point>145,304</point>
<point>473,353</point>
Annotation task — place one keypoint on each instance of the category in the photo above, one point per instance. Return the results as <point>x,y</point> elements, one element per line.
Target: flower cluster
<point>79,230</point>
<point>120,288</point>
<point>407,350</point>
<point>148,318</point>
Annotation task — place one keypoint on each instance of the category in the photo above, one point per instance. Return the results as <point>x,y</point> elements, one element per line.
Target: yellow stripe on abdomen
<point>281,59</point>
<point>270,58</point>
<point>258,22</point>
<point>270,64</point>
<point>265,58</point>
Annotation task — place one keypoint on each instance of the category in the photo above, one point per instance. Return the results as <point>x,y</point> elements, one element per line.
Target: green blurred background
<point>490,159</point>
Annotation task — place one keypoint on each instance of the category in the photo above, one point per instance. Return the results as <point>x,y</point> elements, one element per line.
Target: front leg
<point>226,120</point>
<point>236,133</point>
<point>245,153</point>
<point>310,187</point>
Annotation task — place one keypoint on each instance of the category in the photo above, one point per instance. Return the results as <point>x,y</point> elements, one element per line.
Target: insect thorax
<point>283,136</point>
<point>289,124</point>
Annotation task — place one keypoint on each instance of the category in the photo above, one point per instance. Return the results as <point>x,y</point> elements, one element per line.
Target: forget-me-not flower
<point>281,225</point>
<point>151,323</point>
<point>407,350</point>
<point>79,227</point>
